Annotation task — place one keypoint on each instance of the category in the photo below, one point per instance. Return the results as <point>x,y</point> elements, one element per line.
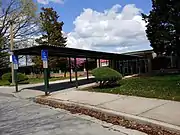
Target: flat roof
<point>139,52</point>
<point>71,52</point>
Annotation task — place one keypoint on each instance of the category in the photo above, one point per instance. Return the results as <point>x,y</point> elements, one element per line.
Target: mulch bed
<point>115,120</point>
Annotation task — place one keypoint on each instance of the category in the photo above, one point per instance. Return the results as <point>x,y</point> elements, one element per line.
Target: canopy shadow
<point>62,86</point>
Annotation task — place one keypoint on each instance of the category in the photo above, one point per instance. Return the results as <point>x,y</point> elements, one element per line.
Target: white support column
<point>98,63</point>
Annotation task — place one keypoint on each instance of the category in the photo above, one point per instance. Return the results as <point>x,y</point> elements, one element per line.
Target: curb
<point>151,127</point>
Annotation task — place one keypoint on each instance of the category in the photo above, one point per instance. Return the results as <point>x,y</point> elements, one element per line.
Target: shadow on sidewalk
<point>62,86</point>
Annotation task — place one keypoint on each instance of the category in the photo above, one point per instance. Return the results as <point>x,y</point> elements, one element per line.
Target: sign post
<point>15,64</point>
<point>44,57</point>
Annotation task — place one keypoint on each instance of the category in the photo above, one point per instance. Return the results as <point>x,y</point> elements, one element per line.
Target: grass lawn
<point>33,80</point>
<point>162,87</point>
<point>40,80</point>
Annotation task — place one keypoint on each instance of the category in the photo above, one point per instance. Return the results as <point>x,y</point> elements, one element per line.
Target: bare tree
<point>22,15</point>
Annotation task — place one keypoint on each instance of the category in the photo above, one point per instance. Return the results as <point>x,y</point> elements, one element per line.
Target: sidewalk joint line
<point>151,109</point>
<point>108,101</point>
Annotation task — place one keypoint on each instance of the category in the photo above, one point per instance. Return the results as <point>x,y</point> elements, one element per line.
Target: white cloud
<point>47,1</point>
<point>114,30</point>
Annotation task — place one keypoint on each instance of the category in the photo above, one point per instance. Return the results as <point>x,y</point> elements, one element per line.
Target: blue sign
<point>44,55</point>
<point>14,59</point>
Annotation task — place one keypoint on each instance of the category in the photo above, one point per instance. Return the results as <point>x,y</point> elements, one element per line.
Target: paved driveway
<point>23,117</point>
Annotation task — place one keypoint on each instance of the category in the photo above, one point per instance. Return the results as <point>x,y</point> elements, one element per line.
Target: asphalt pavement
<point>24,117</point>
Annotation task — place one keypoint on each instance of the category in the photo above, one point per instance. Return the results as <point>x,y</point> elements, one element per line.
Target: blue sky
<point>103,25</point>
<point>70,9</point>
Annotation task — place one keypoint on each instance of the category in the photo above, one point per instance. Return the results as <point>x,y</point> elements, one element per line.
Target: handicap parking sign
<point>44,55</point>
<point>14,59</point>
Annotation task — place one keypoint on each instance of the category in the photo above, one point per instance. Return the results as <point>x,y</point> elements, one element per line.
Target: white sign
<point>10,58</point>
<point>15,66</point>
<point>45,64</point>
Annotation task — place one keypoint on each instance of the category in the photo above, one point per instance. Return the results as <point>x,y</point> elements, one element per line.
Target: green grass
<point>161,87</point>
<point>40,80</point>
<point>4,83</point>
<point>33,81</point>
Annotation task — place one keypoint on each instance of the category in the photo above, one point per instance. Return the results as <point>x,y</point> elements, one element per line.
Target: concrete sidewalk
<point>25,92</point>
<point>155,110</point>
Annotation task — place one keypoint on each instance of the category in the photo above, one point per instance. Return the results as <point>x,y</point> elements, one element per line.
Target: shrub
<point>22,78</point>
<point>106,76</point>
<point>4,83</point>
<point>24,82</point>
<point>6,77</point>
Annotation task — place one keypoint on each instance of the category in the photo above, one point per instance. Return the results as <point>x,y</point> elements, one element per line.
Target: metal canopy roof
<point>71,52</point>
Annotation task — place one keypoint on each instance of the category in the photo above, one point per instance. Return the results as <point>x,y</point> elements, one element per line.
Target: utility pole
<point>11,48</point>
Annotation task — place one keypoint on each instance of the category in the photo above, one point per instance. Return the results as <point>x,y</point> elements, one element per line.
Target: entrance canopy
<point>71,52</point>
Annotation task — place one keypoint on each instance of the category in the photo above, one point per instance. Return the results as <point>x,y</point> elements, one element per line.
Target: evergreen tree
<point>163,26</point>
<point>51,35</point>
<point>51,29</point>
